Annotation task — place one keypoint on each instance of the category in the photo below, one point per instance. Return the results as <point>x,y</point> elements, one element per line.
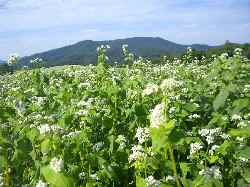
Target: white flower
<point>132,93</point>
<point>151,181</point>
<point>236,117</point>
<point>238,51</point>
<point>211,134</point>
<point>243,159</point>
<point>84,84</point>
<point>213,171</point>
<point>12,59</point>
<point>98,146</point>
<point>184,90</point>
<point>171,110</point>
<point>204,132</point>
<point>210,139</point>
<point>242,124</point>
<point>194,116</point>
<point>45,128</point>
<point>125,46</point>
<point>224,55</point>
<point>157,116</point>
<point>225,136</point>
<point>36,60</point>
<point>213,149</point>
<point>1,180</point>
<point>240,139</point>
<point>150,89</point>
<point>57,164</point>
<point>81,175</point>
<point>72,134</point>
<point>246,88</point>
<point>41,184</point>
<point>170,84</point>
<point>189,133</point>
<point>81,113</point>
<point>121,140</point>
<point>169,178</point>
<point>189,49</point>
<point>94,176</point>
<point>102,48</point>
<point>137,153</point>
<point>195,147</point>
<point>142,134</point>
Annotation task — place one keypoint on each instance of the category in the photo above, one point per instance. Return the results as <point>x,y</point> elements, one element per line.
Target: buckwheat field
<point>184,123</point>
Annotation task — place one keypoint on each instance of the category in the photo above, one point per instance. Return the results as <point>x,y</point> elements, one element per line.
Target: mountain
<point>1,61</point>
<point>84,52</point>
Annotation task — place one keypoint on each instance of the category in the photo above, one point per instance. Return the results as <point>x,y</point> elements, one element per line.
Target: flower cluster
<point>213,149</point>
<point>97,147</point>
<point>211,134</point>
<point>194,116</point>
<point>189,49</point>
<point>36,60</point>
<point>102,48</point>
<point>236,117</point>
<point>142,134</point>
<point>41,184</point>
<point>152,182</point>
<point>46,128</point>
<point>195,147</point>
<point>150,89</point>
<point>1,180</point>
<point>121,140</point>
<point>213,172</point>
<point>137,153</point>
<point>170,84</point>
<point>72,134</point>
<point>157,117</point>
<point>238,52</point>
<point>57,164</point>
<point>12,59</point>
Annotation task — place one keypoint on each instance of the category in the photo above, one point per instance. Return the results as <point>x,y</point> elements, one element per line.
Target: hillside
<point>84,52</point>
<point>1,61</point>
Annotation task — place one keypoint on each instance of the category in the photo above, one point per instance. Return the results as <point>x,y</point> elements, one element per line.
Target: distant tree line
<point>228,48</point>
<point>5,68</point>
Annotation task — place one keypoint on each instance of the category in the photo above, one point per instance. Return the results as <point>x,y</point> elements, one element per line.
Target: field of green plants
<point>181,123</point>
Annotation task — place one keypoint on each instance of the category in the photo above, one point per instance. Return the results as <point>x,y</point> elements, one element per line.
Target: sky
<point>31,26</point>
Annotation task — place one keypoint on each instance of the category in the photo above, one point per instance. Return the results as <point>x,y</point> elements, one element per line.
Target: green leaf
<point>111,139</point>
<point>56,179</point>
<point>160,136</point>
<point>244,153</point>
<point>185,168</point>
<point>199,181</point>
<point>176,136</point>
<point>240,104</point>
<point>246,175</point>
<point>33,134</point>
<point>243,132</point>
<point>226,148</point>
<point>45,146</point>
<point>220,99</point>
<point>242,183</point>
<point>213,159</point>
<point>140,182</point>
<point>190,107</point>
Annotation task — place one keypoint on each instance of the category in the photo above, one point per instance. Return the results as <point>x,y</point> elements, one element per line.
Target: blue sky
<point>30,26</point>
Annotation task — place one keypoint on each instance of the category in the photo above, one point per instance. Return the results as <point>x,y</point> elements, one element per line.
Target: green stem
<point>174,164</point>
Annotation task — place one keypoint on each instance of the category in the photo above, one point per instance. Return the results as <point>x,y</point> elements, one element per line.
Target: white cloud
<point>29,26</point>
